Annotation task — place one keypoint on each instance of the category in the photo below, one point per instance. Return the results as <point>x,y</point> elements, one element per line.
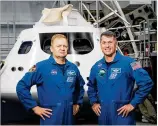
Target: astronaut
<point>59,86</point>
<point>111,84</point>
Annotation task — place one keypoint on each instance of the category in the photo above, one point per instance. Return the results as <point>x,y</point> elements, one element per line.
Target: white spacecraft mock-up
<point>33,45</point>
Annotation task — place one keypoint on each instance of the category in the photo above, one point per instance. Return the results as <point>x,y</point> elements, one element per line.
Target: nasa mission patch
<point>33,68</point>
<point>102,72</point>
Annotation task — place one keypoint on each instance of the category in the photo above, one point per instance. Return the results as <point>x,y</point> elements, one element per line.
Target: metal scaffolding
<point>114,10</point>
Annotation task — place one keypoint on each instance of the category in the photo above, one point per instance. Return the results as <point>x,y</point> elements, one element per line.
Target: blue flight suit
<point>56,90</point>
<point>111,85</point>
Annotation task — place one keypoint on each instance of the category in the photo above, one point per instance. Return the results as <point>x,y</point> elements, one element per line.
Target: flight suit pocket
<point>101,80</point>
<point>51,120</point>
<point>52,107</point>
<point>118,119</point>
<point>56,117</point>
<point>103,118</point>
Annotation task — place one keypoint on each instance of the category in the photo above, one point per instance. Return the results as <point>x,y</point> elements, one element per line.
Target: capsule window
<point>13,69</point>
<point>1,64</point>
<point>79,42</point>
<point>82,46</point>
<point>46,45</point>
<point>20,68</point>
<point>25,47</point>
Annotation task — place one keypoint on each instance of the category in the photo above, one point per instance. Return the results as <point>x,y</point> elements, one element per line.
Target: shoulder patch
<point>135,65</point>
<point>33,68</point>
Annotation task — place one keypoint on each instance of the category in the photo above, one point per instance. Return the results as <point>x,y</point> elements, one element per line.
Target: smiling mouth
<point>62,52</point>
<point>107,50</point>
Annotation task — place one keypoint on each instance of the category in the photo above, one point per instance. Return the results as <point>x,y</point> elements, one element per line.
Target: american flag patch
<point>135,65</point>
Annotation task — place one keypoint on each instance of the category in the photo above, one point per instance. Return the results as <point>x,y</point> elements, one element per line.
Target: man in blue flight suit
<point>111,84</point>
<point>59,86</point>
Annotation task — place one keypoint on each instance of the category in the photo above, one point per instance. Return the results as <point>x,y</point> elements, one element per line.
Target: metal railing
<point>146,32</point>
<point>6,44</point>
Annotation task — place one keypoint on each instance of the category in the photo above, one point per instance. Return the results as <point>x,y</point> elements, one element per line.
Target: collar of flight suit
<point>52,60</point>
<point>117,57</point>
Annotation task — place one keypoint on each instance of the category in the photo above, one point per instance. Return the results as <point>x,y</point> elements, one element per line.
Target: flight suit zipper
<point>64,77</point>
<point>108,65</point>
<point>63,72</point>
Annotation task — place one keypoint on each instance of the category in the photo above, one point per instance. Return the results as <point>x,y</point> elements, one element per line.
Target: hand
<point>42,112</point>
<point>96,108</point>
<point>125,110</point>
<point>75,109</point>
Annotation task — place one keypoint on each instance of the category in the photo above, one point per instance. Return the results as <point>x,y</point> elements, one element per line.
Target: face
<point>59,47</point>
<point>108,45</point>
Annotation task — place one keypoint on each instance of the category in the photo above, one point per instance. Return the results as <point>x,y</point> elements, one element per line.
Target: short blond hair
<point>57,36</point>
